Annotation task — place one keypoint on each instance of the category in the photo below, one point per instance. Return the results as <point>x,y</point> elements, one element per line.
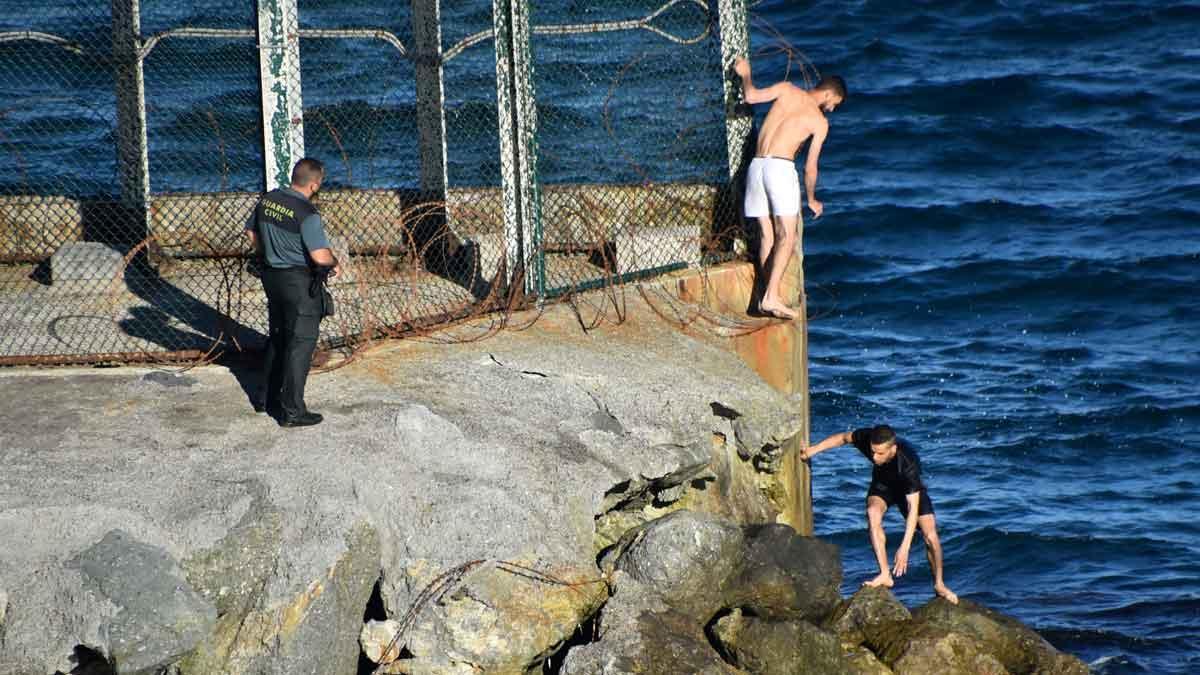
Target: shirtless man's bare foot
<point>946,593</point>
<point>880,581</point>
<point>777,310</point>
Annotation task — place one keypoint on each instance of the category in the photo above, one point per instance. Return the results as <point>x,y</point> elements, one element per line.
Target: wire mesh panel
<point>474,151</point>
<point>474,208</point>
<point>204,148</point>
<point>631,138</point>
<point>376,111</point>
<point>58,275</point>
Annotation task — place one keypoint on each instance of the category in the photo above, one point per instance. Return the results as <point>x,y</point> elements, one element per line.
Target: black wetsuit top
<point>897,478</point>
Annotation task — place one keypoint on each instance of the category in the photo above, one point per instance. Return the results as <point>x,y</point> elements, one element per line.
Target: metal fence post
<point>279,84</point>
<point>430,86</point>
<point>517,121</point>
<point>735,42</point>
<point>132,158</point>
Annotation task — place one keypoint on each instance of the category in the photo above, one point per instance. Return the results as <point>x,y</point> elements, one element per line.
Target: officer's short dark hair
<point>882,435</point>
<point>307,170</point>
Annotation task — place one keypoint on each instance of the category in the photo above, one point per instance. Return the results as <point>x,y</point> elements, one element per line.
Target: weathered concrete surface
<point>778,352</point>
<point>434,453</point>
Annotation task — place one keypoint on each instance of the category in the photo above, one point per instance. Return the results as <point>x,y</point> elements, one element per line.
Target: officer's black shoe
<point>308,419</point>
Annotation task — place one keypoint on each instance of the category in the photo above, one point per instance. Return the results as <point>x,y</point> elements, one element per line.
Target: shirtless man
<point>772,186</point>
<point>896,479</point>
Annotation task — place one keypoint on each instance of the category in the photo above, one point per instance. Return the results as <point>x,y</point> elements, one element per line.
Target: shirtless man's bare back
<point>772,186</point>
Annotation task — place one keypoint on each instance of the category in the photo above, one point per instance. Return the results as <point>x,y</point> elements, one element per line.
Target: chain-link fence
<point>480,156</point>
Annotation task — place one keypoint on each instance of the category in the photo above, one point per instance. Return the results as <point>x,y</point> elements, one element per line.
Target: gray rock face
<point>1018,648</point>
<point>688,558</point>
<point>788,576</point>
<point>159,617</point>
<point>857,616</point>
<point>779,647</point>
<point>966,638</point>
<point>640,634</point>
<point>504,619</point>
<point>676,573</point>
<point>432,454</point>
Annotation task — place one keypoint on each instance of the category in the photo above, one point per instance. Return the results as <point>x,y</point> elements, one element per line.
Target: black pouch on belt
<point>317,289</point>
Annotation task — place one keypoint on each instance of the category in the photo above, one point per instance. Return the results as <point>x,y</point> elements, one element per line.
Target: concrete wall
<point>777,351</point>
<point>32,228</point>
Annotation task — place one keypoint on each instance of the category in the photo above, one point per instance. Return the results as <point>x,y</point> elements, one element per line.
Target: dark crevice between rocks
<point>88,661</point>
<point>585,634</point>
<point>376,611</point>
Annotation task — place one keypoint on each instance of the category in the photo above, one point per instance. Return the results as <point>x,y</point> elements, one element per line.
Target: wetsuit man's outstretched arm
<point>834,441</point>
<point>910,529</point>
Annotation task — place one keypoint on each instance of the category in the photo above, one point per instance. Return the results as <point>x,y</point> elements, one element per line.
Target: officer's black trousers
<point>294,318</point>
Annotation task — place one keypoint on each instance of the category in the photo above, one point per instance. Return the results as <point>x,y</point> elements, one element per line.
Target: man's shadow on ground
<point>172,318</point>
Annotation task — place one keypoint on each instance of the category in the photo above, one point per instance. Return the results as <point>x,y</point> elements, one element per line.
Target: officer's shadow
<point>244,362</point>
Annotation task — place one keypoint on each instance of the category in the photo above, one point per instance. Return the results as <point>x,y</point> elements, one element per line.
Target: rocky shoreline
<point>546,500</point>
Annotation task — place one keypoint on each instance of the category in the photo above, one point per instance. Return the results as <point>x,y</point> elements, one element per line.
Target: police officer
<point>285,229</point>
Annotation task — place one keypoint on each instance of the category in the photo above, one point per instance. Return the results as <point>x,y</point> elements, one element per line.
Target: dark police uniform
<point>896,479</point>
<point>289,227</point>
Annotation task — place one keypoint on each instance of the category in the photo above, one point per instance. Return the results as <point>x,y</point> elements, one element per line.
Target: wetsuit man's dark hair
<point>307,170</point>
<point>833,83</point>
<point>882,435</point>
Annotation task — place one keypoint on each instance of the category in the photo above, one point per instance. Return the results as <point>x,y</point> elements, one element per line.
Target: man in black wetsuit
<point>286,231</point>
<point>896,479</point>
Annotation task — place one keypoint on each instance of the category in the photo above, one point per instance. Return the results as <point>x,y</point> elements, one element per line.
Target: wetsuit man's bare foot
<point>946,593</point>
<point>880,581</point>
<point>777,309</point>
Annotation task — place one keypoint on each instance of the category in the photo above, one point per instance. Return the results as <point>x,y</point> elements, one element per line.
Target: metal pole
<point>431,113</point>
<point>517,121</point>
<point>279,85</point>
<point>735,42</point>
<point>132,158</point>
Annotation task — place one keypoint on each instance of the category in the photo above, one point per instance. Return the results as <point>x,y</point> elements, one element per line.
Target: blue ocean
<point>1008,272</point>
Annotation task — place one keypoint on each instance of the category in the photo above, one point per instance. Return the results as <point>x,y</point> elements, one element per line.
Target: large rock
<point>945,653</point>
<point>868,608</point>
<point>159,617</point>
<point>787,576</point>
<point>1019,648</point>
<point>503,618</point>
<point>778,647</point>
<point>698,565</point>
<point>689,559</point>
<point>640,634</point>
<point>433,453</point>
<point>966,638</point>
<point>311,630</point>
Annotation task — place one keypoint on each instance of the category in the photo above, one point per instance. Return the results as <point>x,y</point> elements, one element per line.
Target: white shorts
<point>772,188</point>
